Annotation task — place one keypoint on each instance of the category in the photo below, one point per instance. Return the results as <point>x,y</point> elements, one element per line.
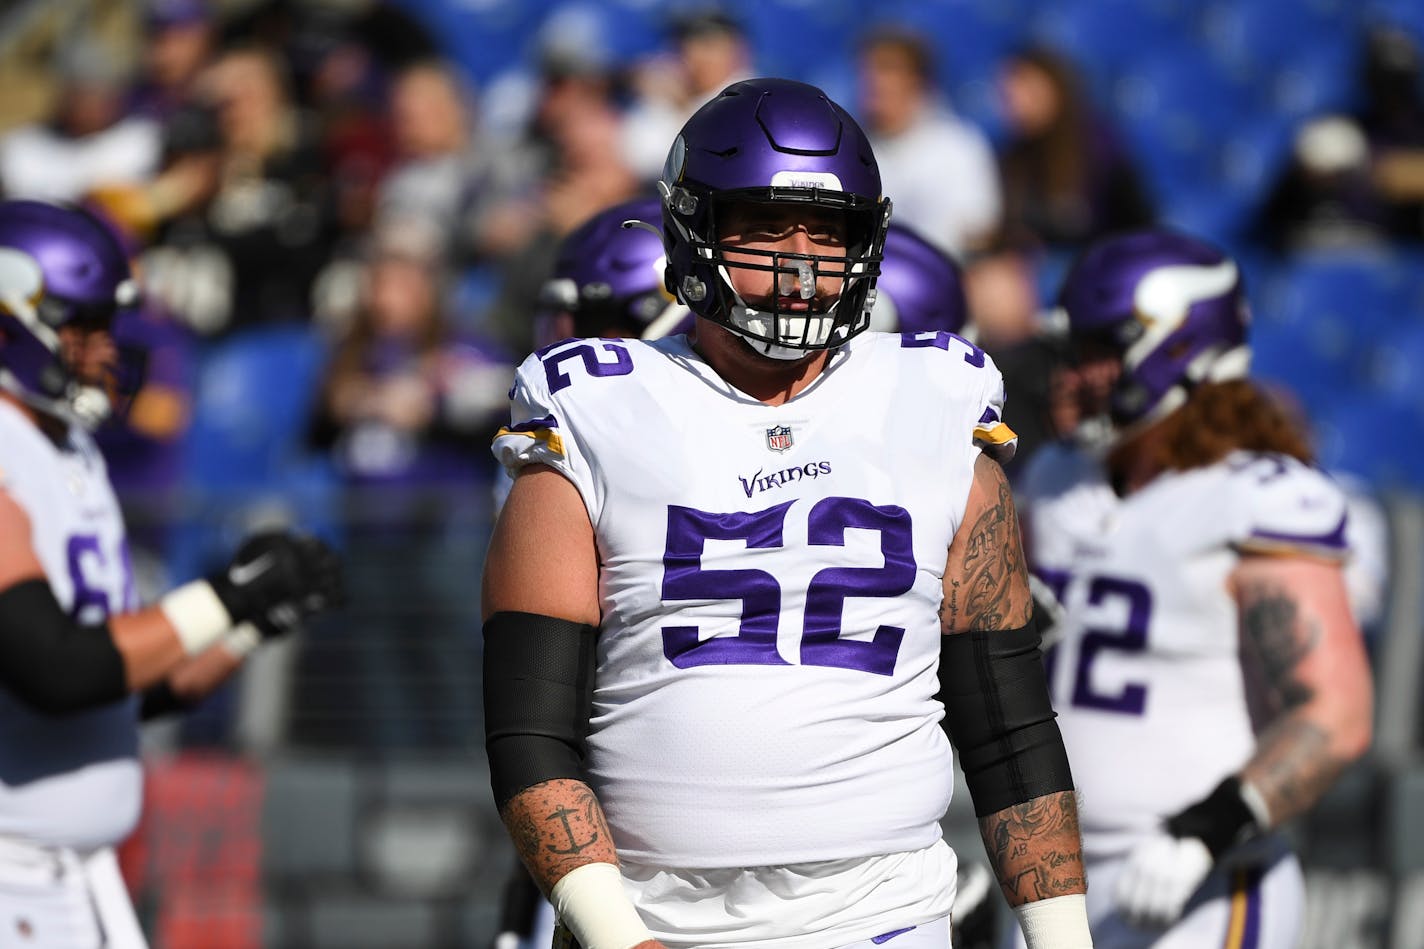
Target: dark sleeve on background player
<point>50,662</point>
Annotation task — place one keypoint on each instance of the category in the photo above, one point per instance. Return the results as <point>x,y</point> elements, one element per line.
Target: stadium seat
<point>245,455</point>
<point>1270,32</point>
<point>1381,441</point>
<point>1178,110</point>
<point>487,37</point>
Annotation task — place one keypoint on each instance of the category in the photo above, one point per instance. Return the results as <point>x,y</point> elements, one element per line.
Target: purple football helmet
<point>773,141</point>
<point>609,273</point>
<point>59,267</point>
<point>920,288</point>
<point>1171,306</point>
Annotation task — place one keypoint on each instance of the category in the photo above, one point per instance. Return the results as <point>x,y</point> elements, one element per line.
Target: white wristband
<point>1057,923</point>
<point>1256,803</point>
<point>197,615</point>
<point>241,640</point>
<point>590,901</point>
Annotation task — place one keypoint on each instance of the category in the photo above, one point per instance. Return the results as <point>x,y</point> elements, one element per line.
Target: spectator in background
<point>1007,321</point>
<point>1324,197</point>
<point>1393,123</point>
<point>405,401</point>
<point>437,166</point>
<point>405,409</point>
<point>270,219</point>
<point>566,168</point>
<point>712,53</point>
<point>938,170</point>
<point>1067,176</point>
<point>179,42</point>
<point>88,141</point>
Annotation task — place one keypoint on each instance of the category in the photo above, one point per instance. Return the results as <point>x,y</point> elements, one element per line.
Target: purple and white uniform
<point>1146,673</point>
<point>68,780</point>
<point>70,785</point>
<point>767,662</point>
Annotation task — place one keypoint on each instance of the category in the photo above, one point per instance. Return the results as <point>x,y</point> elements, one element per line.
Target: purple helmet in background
<point>609,278</point>
<point>783,142</point>
<point>1173,307</point>
<point>920,288</point>
<point>59,267</point>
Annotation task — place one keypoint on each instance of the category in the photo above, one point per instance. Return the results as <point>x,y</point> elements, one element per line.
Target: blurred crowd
<point>356,182</point>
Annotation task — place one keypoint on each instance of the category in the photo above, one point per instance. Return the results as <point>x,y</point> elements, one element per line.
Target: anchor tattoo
<point>575,845</point>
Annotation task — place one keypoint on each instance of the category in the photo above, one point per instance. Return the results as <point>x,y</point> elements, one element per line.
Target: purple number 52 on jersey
<point>684,578</point>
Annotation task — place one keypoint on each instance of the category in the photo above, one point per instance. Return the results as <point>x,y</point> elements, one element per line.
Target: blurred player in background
<point>723,585</point>
<point>76,648</point>
<point>1210,681</point>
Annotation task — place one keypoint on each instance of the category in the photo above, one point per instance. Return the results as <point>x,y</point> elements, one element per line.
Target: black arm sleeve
<point>538,682</point>
<point>160,700</point>
<point>999,716</point>
<point>49,661</point>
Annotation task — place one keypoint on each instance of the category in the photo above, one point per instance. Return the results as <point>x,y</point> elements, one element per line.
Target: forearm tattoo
<point>989,585</point>
<point>557,826</point>
<point>1293,763</point>
<point>1035,848</point>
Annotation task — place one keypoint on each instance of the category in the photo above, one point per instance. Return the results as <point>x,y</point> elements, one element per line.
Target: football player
<point>609,282</point>
<point>730,568</point>
<point>76,648</point>
<point>1210,680</point>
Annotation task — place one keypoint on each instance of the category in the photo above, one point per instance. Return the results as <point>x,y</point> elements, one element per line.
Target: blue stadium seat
<point>245,452</point>
<point>793,38</point>
<point>253,405</point>
<point>1107,36</point>
<point>1381,441</point>
<point>1314,80</point>
<point>970,37</point>
<point>1177,110</point>
<point>1270,32</point>
<point>1323,321</point>
<point>486,38</point>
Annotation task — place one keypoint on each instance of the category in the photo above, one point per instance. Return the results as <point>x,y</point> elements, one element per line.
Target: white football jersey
<point>1147,676</point>
<point>770,579</point>
<point>69,780</point>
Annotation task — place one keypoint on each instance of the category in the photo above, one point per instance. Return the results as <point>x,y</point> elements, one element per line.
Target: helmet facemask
<point>813,301</point>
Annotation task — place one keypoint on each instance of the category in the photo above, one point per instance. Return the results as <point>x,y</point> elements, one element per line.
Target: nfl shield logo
<point>779,438</point>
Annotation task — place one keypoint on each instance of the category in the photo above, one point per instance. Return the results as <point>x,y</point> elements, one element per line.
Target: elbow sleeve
<point>999,716</point>
<point>50,662</point>
<point>538,685</point>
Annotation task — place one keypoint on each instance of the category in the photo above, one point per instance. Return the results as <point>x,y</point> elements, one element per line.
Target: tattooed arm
<point>1307,659</point>
<point>985,580</point>
<point>1035,848</point>
<point>557,825</point>
<point>1033,844</point>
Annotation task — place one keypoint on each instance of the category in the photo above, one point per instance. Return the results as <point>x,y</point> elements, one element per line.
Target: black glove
<point>278,578</point>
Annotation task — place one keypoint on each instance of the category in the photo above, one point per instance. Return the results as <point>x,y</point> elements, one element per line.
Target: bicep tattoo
<point>988,585</point>
<point>1275,633</point>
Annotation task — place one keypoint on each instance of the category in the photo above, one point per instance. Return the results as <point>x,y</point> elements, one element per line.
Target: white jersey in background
<point>767,660</point>
<point>1146,675</point>
<point>68,780</point>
